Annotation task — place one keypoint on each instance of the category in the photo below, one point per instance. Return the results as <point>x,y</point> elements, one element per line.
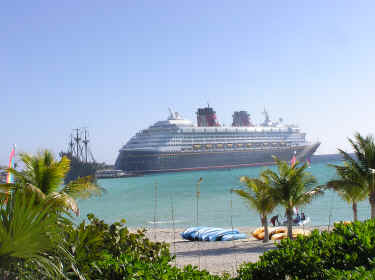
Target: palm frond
<point>43,171</point>
<point>256,194</point>
<point>32,190</point>
<point>83,187</point>
<point>6,188</point>
<point>292,185</point>
<point>61,200</point>
<point>252,201</point>
<point>43,176</point>
<point>31,234</point>
<point>315,192</point>
<point>25,228</point>
<point>351,185</point>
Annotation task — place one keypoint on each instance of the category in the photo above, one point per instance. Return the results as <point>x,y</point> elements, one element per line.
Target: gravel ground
<point>216,257</point>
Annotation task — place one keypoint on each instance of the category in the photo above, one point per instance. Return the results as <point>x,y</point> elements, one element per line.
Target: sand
<point>216,257</point>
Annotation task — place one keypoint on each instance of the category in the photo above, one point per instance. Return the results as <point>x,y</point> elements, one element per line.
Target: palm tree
<point>363,163</point>
<point>31,238</point>
<point>44,176</point>
<point>291,187</point>
<point>351,187</point>
<point>258,195</point>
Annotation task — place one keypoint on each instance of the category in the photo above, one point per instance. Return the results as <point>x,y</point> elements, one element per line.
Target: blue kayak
<point>211,234</point>
<point>205,236</point>
<point>234,236</point>
<point>188,232</point>
<point>218,236</point>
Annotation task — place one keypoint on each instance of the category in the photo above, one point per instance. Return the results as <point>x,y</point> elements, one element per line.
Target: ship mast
<point>79,145</point>
<point>172,113</point>
<point>85,143</point>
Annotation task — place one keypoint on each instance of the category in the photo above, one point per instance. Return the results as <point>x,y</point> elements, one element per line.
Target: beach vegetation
<point>31,239</point>
<point>350,186</point>
<point>94,241</point>
<point>258,195</point>
<point>38,239</point>
<point>43,175</point>
<point>130,267</point>
<point>363,163</point>
<point>345,253</point>
<point>291,187</point>
<point>37,242</point>
<point>111,251</point>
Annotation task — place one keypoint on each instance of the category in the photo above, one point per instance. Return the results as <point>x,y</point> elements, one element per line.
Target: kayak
<point>211,234</point>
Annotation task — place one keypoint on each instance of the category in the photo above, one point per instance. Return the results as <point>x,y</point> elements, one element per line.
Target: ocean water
<point>163,199</point>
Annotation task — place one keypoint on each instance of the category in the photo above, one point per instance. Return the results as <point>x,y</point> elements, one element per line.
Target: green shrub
<point>31,238</point>
<point>358,273</point>
<point>132,267</point>
<point>105,251</point>
<point>96,240</point>
<point>320,256</point>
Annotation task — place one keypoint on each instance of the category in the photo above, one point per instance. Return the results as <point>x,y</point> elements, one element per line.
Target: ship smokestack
<point>206,117</point>
<point>241,118</point>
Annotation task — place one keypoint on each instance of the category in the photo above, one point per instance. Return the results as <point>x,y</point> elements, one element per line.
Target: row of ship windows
<point>235,139</point>
<point>164,129</point>
<point>202,143</point>
<point>238,135</point>
<point>176,142</point>
<point>194,135</point>
<point>238,145</point>
<point>179,140</point>
<point>188,135</point>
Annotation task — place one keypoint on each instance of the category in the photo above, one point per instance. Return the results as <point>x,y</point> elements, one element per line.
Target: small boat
<point>298,223</point>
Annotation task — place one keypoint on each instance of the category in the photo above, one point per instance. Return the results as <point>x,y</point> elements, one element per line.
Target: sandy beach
<point>216,257</point>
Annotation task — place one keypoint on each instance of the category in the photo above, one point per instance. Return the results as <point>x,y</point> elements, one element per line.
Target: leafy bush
<point>31,238</point>
<point>132,267</point>
<point>105,251</point>
<point>358,273</point>
<point>341,253</point>
<point>95,241</point>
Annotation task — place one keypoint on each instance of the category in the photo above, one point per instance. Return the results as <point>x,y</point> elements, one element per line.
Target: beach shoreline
<point>216,257</point>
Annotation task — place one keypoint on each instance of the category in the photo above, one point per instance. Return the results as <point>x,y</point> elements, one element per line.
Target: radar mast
<point>267,120</point>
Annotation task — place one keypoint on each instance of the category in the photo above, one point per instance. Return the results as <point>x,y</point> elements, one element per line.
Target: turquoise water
<point>135,200</point>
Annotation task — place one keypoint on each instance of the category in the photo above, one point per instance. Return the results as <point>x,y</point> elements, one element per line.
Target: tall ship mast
<point>82,162</point>
<point>176,144</point>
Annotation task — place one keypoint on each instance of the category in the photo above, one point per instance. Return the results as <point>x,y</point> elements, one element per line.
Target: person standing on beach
<point>275,219</point>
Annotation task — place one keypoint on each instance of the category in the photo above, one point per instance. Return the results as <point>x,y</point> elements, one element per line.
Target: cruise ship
<point>176,144</point>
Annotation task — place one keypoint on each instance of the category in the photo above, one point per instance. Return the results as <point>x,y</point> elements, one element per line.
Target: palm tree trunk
<point>371,199</point>
<point>265,225</point>
<point>355,211</point>
<point>289,214</point>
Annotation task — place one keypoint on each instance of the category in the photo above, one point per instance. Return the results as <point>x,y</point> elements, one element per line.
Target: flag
<point>293,160</point>
<point>308,162</point>
<point>10,176</point>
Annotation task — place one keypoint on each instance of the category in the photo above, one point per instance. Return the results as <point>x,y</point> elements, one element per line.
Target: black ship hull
<point>152,162</point>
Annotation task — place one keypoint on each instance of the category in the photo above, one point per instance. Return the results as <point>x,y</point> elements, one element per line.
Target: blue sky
<point>116,66</point>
